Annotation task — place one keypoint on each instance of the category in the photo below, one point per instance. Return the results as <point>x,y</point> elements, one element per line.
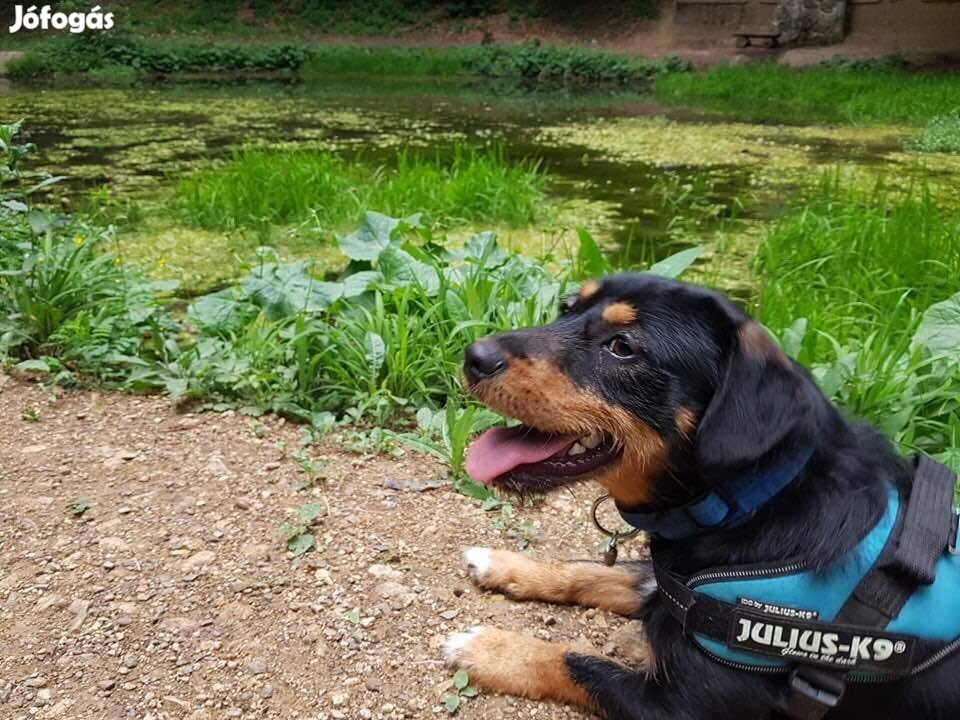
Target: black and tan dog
<point>661,391</point>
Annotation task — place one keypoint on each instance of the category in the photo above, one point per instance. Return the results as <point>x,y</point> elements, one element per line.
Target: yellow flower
<point>78,240</point>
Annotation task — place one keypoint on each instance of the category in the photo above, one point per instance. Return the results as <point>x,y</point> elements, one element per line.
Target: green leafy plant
<point>296,535</point>
<point>460,689</point>
<point>78,507</point>
<point>942,135</point>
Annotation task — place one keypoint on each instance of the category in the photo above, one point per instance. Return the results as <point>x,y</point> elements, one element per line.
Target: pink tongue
<point>502,449</point>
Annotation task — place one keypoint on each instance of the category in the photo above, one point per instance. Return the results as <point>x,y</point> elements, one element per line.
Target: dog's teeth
<point>577,449</point>
<point>591,440</point>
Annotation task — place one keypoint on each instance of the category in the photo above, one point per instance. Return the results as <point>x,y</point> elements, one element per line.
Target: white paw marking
<point>478,561</point>
<point>455,645</point>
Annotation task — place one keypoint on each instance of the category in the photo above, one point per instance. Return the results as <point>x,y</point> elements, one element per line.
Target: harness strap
<point>926,532</point>
<point>922,535</point>
<point>925,528</point>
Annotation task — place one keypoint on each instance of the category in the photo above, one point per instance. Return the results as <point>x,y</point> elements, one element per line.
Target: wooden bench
<point>745,39</point>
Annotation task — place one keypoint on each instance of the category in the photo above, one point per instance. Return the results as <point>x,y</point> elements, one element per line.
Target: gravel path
<point>174,597</point>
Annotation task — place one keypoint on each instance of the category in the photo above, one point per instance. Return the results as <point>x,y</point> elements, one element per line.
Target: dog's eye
<point>620,347</point>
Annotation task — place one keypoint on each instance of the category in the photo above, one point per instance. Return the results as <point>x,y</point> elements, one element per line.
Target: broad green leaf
<point>375,350</point>
<point>593,263</point>
<point>353,616</point>
<point>288,530</point>
<point>359,282</point>
<point>39,221</point>
<point>370,239</point>
<point>939,329</point>
<point>15,205</point>
<point>451,702</point>
<point>461,679</point>
<point>35,365</point>
<point>284,290</point>
<point>216,311</point>
<point>484,250</point>
<point>400,268</point>
<point>675,265</point>
<point>309,512</point>
<point>792,337</point>
<point>176,388</point>
<point>469,692</point>
<point>300,544</point>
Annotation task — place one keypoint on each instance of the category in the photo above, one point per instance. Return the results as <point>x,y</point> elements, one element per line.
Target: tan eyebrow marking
<point>619,313</point>
<point>589,289</point>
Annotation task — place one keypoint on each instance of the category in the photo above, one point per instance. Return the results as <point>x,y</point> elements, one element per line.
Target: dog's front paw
<point>478,561</point>
<point>499,570</point>
<point>456,648</point>
<point>514,664</point>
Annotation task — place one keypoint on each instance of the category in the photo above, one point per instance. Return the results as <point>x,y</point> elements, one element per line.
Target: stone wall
<point>811,22</point>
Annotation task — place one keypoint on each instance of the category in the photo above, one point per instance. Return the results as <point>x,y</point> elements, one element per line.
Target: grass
<point>258,188</point>
<point>830,93</point>
<point>856,262</point>
<point>846,280</point>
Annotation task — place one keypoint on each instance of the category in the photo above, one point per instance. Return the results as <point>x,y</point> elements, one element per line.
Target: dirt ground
<point>174,597</point>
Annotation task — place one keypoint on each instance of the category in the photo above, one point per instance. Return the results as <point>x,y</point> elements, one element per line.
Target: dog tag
<point>610,553</point>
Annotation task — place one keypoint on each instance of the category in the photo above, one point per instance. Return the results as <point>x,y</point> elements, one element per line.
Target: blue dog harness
<point>888,609</point>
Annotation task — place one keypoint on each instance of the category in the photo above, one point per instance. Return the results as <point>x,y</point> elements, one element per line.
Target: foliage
<point>941,135</point>
<point>119,58</point>
<point>459,689</point>
<point>446,434</point>
<point>535,61</point>
<point>296,534</point>
<point>338,60</point>
<point>65,292</point>
<point>939,329</point>
<point>527,61</point>
<point>854,263</point>
<point>403,312</point>
<point>78,507</point>
<point>775,92</point>
<point>873,279</point>
<point>259,188</point>
<point>108,52</point>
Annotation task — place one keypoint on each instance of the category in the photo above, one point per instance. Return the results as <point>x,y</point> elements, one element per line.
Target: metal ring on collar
<point>609,533</point>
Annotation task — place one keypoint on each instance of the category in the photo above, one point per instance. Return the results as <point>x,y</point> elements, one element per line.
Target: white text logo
<point>46,19</point>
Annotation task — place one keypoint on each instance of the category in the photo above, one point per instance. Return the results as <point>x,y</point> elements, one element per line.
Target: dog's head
<point>655,389</point>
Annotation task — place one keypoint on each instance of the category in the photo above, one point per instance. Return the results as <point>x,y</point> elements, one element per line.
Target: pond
<point>646,179</point>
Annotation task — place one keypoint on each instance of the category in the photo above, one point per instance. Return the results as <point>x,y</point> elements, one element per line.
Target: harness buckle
<point>812,693</point>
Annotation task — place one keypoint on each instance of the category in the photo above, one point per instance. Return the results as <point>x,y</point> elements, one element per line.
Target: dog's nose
<point>482,360</point>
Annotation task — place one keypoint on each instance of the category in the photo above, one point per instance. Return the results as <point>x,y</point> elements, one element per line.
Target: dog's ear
<point>763,401</point>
